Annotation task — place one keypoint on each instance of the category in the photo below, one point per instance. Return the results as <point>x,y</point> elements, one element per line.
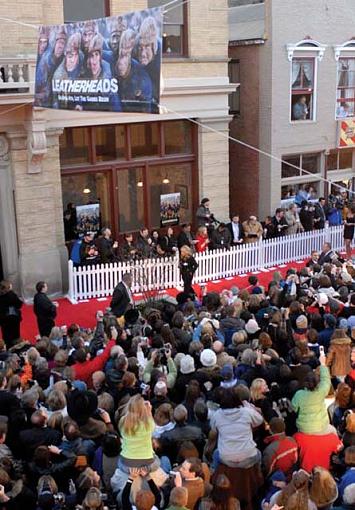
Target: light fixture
<point>166,179</point>
<point>165,34</point>
<point>140,184</point>
<point>86,191</point>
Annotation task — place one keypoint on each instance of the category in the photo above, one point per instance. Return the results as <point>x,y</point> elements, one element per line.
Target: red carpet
<point>84,312</point>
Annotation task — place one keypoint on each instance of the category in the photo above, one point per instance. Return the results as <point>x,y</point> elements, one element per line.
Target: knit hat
<point>251,327</point>
<point>345,277</point>
<point>323,298</point>
<point>79,385</point>
<point>208,358</point>
<point>227,371</point>
<point>74,42</point>
<point>301,322</point>
<point>187,364</point>
<point>96,43</point>
<point>343,324</point>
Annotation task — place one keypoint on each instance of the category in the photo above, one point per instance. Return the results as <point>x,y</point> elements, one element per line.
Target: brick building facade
<point>37,176</point>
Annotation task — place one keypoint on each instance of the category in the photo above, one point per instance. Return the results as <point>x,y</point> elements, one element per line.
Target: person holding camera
<point>161,360</point>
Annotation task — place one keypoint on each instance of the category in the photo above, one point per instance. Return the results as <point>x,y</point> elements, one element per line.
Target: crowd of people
<point>239,400</point>
<point>300,216</point>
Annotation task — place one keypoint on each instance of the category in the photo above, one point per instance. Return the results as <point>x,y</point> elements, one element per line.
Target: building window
<point>174,28</point>
<point>79,10</point>
<point>302,89</point>
<point>304,57</point>
<point>345,106</point>
<point>308,162</point>
<point>125,168</point>
<point>234,77</point>
<point>340,159</point>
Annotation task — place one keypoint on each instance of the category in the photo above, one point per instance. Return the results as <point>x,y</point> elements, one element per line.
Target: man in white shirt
<point>236,230</point>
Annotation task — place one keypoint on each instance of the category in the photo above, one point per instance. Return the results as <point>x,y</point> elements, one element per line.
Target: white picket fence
<point>163,273</point>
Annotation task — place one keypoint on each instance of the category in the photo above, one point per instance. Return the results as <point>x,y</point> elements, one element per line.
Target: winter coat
<point>281,453</point>
<point>253,231</point>
<point>312,414</point>
<point>83,371</point>
<point>338,358</point>
<point>235,433</point>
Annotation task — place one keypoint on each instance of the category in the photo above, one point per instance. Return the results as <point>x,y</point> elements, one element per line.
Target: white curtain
<point>296,67</point>
<point>308,71</point>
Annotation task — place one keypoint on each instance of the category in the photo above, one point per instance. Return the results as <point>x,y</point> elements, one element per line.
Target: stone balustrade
<point>17,78</point>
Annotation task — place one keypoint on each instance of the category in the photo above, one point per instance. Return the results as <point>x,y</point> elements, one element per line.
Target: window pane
<point>302,74</point>
<point>172,39</point>
<point>130,199</point>
<point>110,142</point>
<point>78,10</point>
<point>345,159</point>
<point>144,139</point>
<point>74,146</point>
<point>311,163</point>
<point>302,106</point>
<point>83,189</point>
<point>289,171</point>
<point>178,137</point>
<point>180,181</point>
<point>332,160</point>
<point>290,190</point>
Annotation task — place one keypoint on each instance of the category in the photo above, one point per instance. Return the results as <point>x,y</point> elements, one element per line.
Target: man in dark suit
<point>236,230</point>
<point>320,214</point>
<point>185,238</point>
<point>327,256</point>
<point>122,298</point>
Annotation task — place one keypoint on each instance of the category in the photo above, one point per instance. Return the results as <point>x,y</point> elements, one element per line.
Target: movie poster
<point>87,218</point>
<point>107,64</point>
<point>170,209</point>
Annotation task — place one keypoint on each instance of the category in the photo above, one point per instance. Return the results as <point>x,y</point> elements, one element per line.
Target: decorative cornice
<point>301,47</point>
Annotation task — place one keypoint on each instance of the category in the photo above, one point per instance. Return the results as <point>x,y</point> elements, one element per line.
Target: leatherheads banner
<point>107,64</point>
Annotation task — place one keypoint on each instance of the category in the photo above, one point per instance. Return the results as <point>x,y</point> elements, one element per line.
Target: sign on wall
<point>87,218</point>
<point>170,209</point>
<point>346,133</point>
<point>107,64</point>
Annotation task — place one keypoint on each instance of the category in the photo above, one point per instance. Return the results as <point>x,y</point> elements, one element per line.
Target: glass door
<point>130,192</point>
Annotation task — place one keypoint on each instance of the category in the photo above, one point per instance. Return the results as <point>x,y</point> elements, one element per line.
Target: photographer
<point>161,360</point>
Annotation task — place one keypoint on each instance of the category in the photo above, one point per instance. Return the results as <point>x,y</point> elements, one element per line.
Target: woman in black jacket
<point>188,266</point>
<point>10,313</point>
<point>44,309</point>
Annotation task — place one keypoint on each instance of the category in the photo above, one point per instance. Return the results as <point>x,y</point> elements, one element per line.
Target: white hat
<point>346,277</point>
<point>208,358</point>
<point>251,327</point>
<point>322,298</point>
<point>160,388</point>
<point>187,364</point>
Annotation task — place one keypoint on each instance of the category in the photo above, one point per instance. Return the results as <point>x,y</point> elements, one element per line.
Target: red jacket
<point>280,454</point>
<point>316,450</point>
<point>84,371</point>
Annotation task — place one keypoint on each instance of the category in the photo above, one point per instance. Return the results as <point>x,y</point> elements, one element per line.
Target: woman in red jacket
<point>201,240</point>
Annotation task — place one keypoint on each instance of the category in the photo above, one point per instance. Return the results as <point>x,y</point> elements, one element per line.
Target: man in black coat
<point>185,238</point>
<point>236,230</point>
<point>106,246</point>
<point>38,435</point>
<point>122,298</point>
<point>44,309</point>
<point>220,238</point>
<point>320,214</point>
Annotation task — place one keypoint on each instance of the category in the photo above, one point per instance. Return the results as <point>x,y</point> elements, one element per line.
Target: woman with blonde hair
<point>136,428</point>
<point>201,239</point>
<point>188,266</point>
<point>93,500</point>
<point>259,396</point>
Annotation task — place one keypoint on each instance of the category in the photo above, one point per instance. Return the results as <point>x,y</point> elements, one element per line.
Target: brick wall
<point>244,162</point>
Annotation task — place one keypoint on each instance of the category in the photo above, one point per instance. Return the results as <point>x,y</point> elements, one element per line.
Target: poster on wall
<point>346,128</point>
<point>87,218</point>
<point>107,64</point>
<point>170,209</point>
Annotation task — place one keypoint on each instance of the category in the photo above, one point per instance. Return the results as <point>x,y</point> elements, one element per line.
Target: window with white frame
<point>304,57</point>
<point>301,172</point>
<point>346,88</point>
